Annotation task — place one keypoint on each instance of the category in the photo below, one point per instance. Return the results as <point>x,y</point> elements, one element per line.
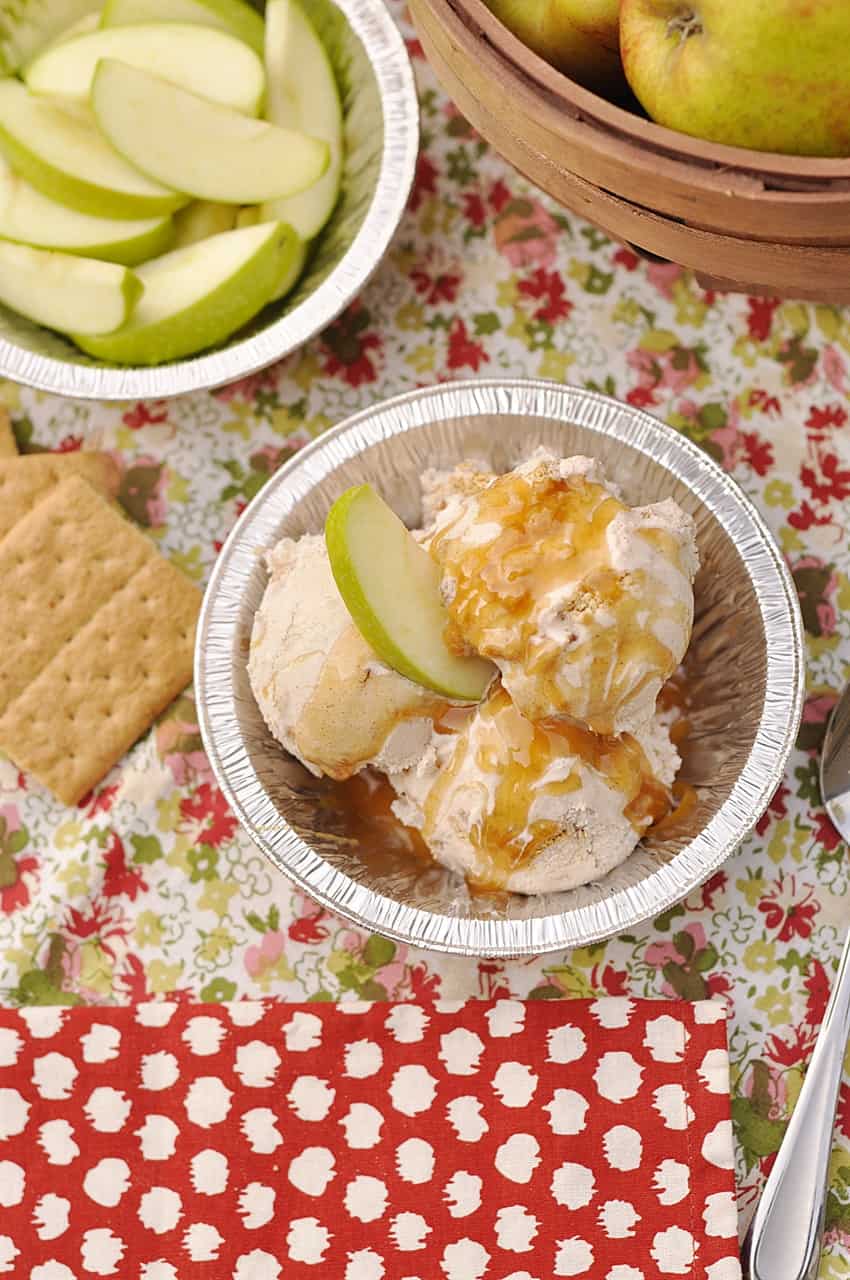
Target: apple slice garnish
<point>391,588</point>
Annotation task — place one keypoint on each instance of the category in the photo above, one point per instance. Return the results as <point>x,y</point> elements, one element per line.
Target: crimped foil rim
<point>371,21</point>
<point>217,650</point>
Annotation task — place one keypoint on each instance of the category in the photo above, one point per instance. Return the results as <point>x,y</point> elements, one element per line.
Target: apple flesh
<point>61,152</point>
<point>202,219</point>
<point>198,296</point>
<point>391,588</point>
<point>579,37</point>
<point>234,16</point>
<point>200,59</point>
<point>26,29</point>
<point>88,22</point>
<point>28,217</point>
<point>292,273</point>
<point>248,215</point>
<point>770,76</point>
<point>303,94</point>
<point>61,291</point>
<point>196,146</point>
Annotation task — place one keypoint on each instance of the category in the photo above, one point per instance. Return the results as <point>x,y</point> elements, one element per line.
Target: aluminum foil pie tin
<point>382,139</point>
<point>746,666</point>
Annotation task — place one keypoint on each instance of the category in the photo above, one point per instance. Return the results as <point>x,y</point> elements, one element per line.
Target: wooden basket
<point>746,220</point>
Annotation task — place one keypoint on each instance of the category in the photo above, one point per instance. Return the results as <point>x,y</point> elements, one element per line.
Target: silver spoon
<point>785,1236</point>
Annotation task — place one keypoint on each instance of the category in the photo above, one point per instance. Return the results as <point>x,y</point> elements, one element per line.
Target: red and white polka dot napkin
<point>477,1141</point>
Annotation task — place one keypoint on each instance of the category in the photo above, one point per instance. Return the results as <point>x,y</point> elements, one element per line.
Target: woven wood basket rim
<point>809,175</point>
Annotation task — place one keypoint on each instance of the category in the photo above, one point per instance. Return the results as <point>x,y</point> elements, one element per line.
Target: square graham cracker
<point>24,481</point>
<point>8,443</point>
<point>103,640</point>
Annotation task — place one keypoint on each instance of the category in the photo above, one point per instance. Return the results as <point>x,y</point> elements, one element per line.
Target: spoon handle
<point>784,1240</point>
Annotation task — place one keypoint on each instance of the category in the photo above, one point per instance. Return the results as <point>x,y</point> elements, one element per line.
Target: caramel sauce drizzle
<point>524,752</point>
<point>675,696</point>
<point>364,802</point>
<point>522,758</point>
<point>552,535</point>
<point>552,538</point>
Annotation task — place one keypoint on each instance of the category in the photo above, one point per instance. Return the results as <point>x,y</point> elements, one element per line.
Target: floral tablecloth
<point>149,886</point>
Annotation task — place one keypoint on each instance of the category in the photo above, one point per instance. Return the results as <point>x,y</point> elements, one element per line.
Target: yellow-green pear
<point>773,75</point>
<point>579,37</point>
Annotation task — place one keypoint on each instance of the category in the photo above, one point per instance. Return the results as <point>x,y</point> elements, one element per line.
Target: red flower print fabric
<point>444,1141</point>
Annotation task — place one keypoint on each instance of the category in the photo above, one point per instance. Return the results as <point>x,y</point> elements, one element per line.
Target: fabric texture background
<point>148,887</point>
<point>456,1141</point>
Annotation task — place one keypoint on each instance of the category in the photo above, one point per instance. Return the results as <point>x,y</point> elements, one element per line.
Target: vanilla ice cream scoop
<point>584,604</point>
<point>322,690</point>
<point>439,487</point>
<point>533,809</point>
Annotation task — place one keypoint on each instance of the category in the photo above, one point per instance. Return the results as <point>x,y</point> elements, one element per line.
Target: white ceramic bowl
<point>382,137</point>
<point>745,666</point>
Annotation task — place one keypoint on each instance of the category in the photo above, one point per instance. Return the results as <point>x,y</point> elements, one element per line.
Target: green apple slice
<point>198,296</point>
<point>302,94</point>
<point>292,272</point>
<point>200,59</point>
<point>64,292</point>
<point>202,219</point>
<point>27,28</point>
<point>391,588</point>
<point>29,217</point>
<point>226,15</point>
<point>62,153</point>
<point>197,146</point>
<point>248,216</point>
<point>88,22</point>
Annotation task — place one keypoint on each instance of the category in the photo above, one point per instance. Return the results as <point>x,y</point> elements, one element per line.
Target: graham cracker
<point>103,638</point>
<point>8,443</point>
<point>24,481</point>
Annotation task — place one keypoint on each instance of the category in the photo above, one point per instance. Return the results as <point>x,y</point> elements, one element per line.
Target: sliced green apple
<point>62,153</point>
<point>64,292</point>
<point>199,59</point>
<point>248,216</point>
<point>198,296</point>
<point>302,94</point>
<point>197,146</point>
<point>202,219</point>
<point>28,217</point>
<point>27,28</point>
<point>227,15</point>
<point>292,272</point>
<point>88,22</point>
<point>391,588</point>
